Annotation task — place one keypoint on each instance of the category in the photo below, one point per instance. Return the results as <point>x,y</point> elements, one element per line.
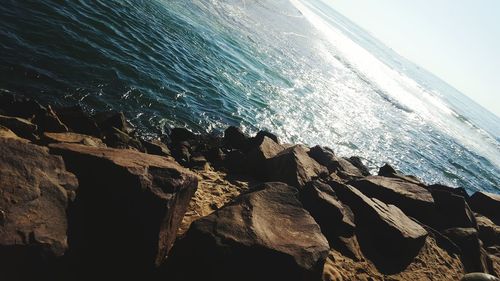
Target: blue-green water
<point>294,67</point>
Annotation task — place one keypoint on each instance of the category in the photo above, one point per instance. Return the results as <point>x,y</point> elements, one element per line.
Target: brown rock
<point>294,166</point>
<point>488,231</point>
<point>156,147</point>
<point>257,157</point>
<point>72,138</point>
<point>127,211</point>
<point>262,235</point>
<point>387,236</point>
<point>487,204</point>
<point>19,126</point>
<point>7,133</point>
<point>35,189</point>
<point>116,138</point>
<point>109,119</point>
<point>388,171</point>
<point>341,166</point>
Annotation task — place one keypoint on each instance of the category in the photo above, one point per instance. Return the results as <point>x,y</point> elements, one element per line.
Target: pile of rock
<point>83,197</point>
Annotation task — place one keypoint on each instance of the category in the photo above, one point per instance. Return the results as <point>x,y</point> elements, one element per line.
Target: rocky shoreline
<point>85,198</point>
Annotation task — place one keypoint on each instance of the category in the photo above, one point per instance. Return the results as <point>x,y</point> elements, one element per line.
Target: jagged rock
<point>108,119</point>
<point>256,158</point>
<point>341,166</point>
<point>413,199</point>
<point>19,126</point>
<point>127,210</point>
<point>488,231</point>
<point>474,257</point>
<point>487,204</point>
<point>156,147</point>
<point>459,191</point>
<point>261,135</point>
<point>262,235</point>
<point>479,276</point>
<point>72,138</point>
<point>35,189</point>
<point>388,171</point>
<point>78,121</point>
<point>335,218</point>
<point>7,133</point>
<point>387,236</point>
<point>235,138</point>
<point>356,161</point>
<point>178,135</point>
<point>294,166</point>
<point>118,139</point>
<point>452,209</point>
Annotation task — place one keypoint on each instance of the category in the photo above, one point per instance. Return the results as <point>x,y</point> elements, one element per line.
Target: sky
<point>457,40</point>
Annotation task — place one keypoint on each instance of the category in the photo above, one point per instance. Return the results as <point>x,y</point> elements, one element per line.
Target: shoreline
<point>86,196</point>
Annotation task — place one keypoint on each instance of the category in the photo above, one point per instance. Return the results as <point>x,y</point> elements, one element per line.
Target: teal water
<point>295,67</point>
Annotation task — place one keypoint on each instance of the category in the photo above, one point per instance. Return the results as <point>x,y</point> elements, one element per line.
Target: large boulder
<point>294,167</point>
<point>387,236</point>
<point>452,209</point>
<point>488,231</point>
<point>389,171</point>
<point>335,218</point>
<point>344,168</point>
<point>358,163</point>
<point>235,138</point>
<point>256,158</point>
<point>127,210</point>
<point>487,204</point>
<point>473,256</point>
<point>262,235</point>
<point>35,190</point>
<point>412,199</point>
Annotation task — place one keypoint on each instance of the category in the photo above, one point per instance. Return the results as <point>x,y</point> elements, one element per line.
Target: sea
<point>297,68</point>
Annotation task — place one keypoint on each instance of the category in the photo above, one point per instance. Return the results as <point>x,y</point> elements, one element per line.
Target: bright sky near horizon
<point>457,40</point>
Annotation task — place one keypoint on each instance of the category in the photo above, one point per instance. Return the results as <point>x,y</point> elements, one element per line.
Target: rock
<point>335,219</point>
<point>35,190</point>
<point>262,235</point>
<point>7,133</point>
<point>72,138</point>
<point>356,161</point>
<point>294,167</point>
<point>19,126</point>
<point>156,147</point>
<point>487,204</point>
<point>108,119</point>
<point>388,171</point>
<point>412,199</point>
<point>459,191</point>
<point>257,157</point>
<point>479,276</point>
<point>235,138</point>
<point>489,232</point>
<point>119,139</point>
<point>178,135</point>
<point>78,121</point>
<point>181,151</point>
<point>341,166</point>
<point>236,161</point>
<point>127,210</point>
<point>48,121</point>
<point>387,236</point>
<point>261,135</point>
<point>474,257</point>
<point>452,209</point>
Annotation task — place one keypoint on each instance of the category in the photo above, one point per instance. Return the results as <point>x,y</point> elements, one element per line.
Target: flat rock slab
<point>262,235</point>
<point>35,189</point>
<point>72,138</point>
<point>128,209</point>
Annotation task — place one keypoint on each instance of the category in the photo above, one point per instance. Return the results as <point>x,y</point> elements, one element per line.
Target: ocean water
<point>294,67</point>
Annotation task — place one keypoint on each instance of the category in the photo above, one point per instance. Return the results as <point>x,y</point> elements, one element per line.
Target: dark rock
<point>387,236</point>
<point>459,191</point>
<point>119,139</point>
<point>7,133</point>
<point>262,235</point>
<point>294,167</point>
<point>181,151</point>
<point>215,155</point>
<point>199,162</point>
<point>235,161</point>
<point>413,199</point>
<point>109,119</point>
<point>235,138</point>
<point>19,126</point>
<point>156,147</point>
<point>473,256</point>
<point>453,210</point>
<point>487,204</point>
<point>178,135</point>
<point>48,138</point>
<point>257,157</point>
<point>335,219</point>
<point>388,171</point>
<point>35,191</point>
<point>489,232</point>
<point>262,134</point>
<point>127,210</point>
<point>48,121</point>
<point>356,161</point>
<point>338,165</point>
<point>78,121</point>
<point>478,276</point>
